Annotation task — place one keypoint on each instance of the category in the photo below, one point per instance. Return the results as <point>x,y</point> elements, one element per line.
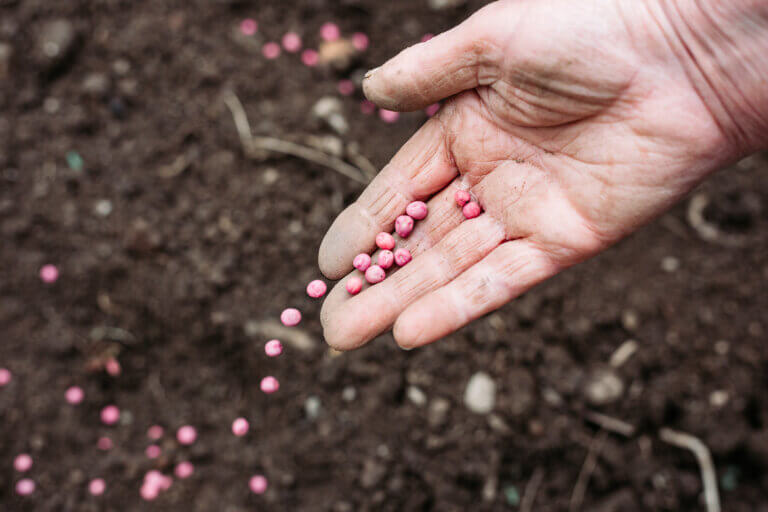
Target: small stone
<point>629,320</point>
<point>102,207</point>
<point>437,414</point>
<point>312,406</point>
<point>719,398</point>
<point>331,110</point>
<point>96,84</point>
<point>480,393</point>
<point>603,386</point>
<point>339,54</point>
<point>416,396</point>
<point>56,42</point>
<point>348,394</point>
<point>670,264</point>
<point>439,5</point>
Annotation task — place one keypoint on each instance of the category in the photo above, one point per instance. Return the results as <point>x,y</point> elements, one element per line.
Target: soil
<point>184,279</point>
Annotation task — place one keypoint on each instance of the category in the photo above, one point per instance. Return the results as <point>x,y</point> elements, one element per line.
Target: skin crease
<point>571,123</point>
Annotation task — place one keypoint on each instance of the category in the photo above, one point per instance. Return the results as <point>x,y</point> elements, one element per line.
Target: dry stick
<point>529,495</point>
<point>703,457</point>
<point>252,145</point>
<point>580,489</point>
<point>610,423</point>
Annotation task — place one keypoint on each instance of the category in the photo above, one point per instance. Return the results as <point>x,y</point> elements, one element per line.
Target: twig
<point>357,158</point>
<point>252,145</point>
<point>531,488</point>
<point>703,457</point>
<point>580,489</point>
<point>610,423</point>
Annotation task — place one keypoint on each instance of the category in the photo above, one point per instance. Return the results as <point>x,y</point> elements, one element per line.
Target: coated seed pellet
<point>402,256</point>
<point>471,210</point>
<point>404,225</point>
<point>417,209</point>
<point>354,285</point>
<point>385,241</point>
<point>375,274</point>
<point>385,259</point>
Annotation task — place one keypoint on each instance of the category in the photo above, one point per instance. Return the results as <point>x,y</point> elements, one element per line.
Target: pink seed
<point>385,259</point>
<point>149,491</point>
<point>271,50</point>
<point>346,87</point>
<point>471,210</point>
<point>165,483</point>
<point>240,427</point>
<point>49,273</point>
<point>432,109</point>
<point>316,289</point>
<point>248,26</point>
<point>367,107</point>
<point>152,451</point>
<point>22,462</point>
<point>110,415</point>
<point>112,366</point>
<point>388,116</point>
<point>402,257</point>
<point>154,477</point>
<point>273,348</point>
<point>258,484</point>
<point>186,434</point>
<point>290,317</point>
<point>269,385</point>
<point>104,444</point>
<point>361,262</point>
<point>184,470</point>
<point>404,225</point>
<point>354,285</point>
<point>385,241</point>
<point>5,376</point>
<point>292,42</point>
<point>462,197</point>
<point>74,395</point>
<point>97,486</point>
<point>375,274</point>
<point>155,432</point>
<point>417,209</point>
<point>426,37</point>
<point>310,57</point>
<point>360,41</point>
<point>25,487</point>
<point>330,32</point>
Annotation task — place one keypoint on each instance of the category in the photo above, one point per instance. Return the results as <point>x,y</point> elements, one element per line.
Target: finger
<point>457,60</point>
<point>350,322</point>
<point>421,167</point>
<point>508,271</point>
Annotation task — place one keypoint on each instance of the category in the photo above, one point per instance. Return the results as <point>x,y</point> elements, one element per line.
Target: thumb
<point>463,58</point>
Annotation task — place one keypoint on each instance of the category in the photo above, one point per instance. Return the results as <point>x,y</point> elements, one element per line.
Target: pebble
<point>348,394</point>
<point>273,348</point>
<point>402,256</point>
<point>354,285</point>
<point>316,289</point>
<point>25,487</point>
<point>439,5</point>
<point>603,386</point>
<point>102,207</point>
<point>312,406</point>
<point>471,210</point>
<point>330,110</point>
<point>186,435</point>
<point>404,225</point>
<point>437,414</point>
<point>74,395</point>
<point>385,241</point>
<point>269,384</point>
<point>110,415</point>
<point>240,427</point>
<point>22,462</point>
<point>183,470</point>
<point>291,42</point>
<point>417,209</point>
<point>258,484</point>
<point>97,486</point>
<point>462,197</point>
<point>5,376</point>
<point>385,259</point>
<point>375,274</point>
<point>290,317</point>
<point>96,84</point>
<point>55,41</point>
<point>49,273</point>
<point>416,396</point>
<point>361,262</point>
<point>480,393</point>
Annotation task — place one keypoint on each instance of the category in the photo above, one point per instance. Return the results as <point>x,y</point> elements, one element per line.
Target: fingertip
<point>410,329</point>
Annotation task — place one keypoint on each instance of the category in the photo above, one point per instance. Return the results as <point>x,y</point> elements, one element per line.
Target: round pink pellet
<point>273,348</point>
<point>74,395</point>
<point>269,384</point>
<point>360,41</point>
<point>385,259</point>
<point>471,210</point>
<point>49,273</point>
<point>462,197</point>
<point>22,462</point>
<point>165,482</point>
<point>149,491</point>
<point>404,225</point>
<point>426,37</point>
<point>152,451</point>
<point>110,415</point>
<point>432,109</point>
<point>330,32</point>
<point>402,257</point>
<point>316,289</point>
<point>375,274</point>
<point>154,477</point>
<point>310,57</point>
<point>354,285</point>
<point>248,26</point>
<point>385,241</point>
<point>290,317</point>
<point>183,470</point>
<point>155,432</point>
<point>97,486</point>
<point>258,484</point>
<point>270,50</point>
<point>186,434</point>
<point>5,376</point>
<point>292,42</point>
<point>25,487</point>
<point>240,427</point>
<point>346,87</point>
<point>104,444</point>
<point>417,209</point>
<point>361,262</point>
<point>112,366</point>
<point>367,107</point>
<point>388,116</point>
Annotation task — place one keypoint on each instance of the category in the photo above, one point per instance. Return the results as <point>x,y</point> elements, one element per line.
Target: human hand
<point>572,123</point>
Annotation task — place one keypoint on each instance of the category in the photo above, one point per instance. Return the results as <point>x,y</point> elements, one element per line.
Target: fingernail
<point>371,72</point>
<point>407,349</point>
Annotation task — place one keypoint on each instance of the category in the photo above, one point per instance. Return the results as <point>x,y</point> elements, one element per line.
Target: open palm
<point>571,123</point>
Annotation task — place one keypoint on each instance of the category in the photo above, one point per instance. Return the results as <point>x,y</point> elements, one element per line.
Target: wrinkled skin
<point>572,123</point>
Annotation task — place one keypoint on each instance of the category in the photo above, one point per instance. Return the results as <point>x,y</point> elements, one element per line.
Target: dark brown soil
<point>183,281</point>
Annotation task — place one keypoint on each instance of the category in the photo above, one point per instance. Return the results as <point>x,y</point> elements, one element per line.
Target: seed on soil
<point>367,107</point>
<point>155,432</point>
<point>354,285</point>
<point>417,209</point>
<point>375,274</point>
<point>104,444</point>
<point>388,116</point>
<point>316,289</point>
<point>186,435</point>
<point>270,50</point>
<point>240,427</point>
<point>385,241</point>
<point>385,259</point>
<point>112,367</point>
<point>310,58</point>
<point>110,415</point>
<point>49,273</point>
<point>471,210</point>
<point>360,41</point>
<point>361,262</point>
<point>290,317</point>
<point>258,484</point>
<point>330,32</point>
<point>248,26</point>
<point>291,42</point>
<point>426,37</point>
<point>404,226</point>
<point>462,197</point>
<point>269,384</point>
<point>97,486</point>
<point>25,487</point>
<point>346,87</point>
<point>273,348</point>
<point>432,109</point>
<point>152,451</point>
<point>22,462</point>
<point>5,376</point>
<point>402,256</point>
<point>183,470</point>
<point>74,395</point>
